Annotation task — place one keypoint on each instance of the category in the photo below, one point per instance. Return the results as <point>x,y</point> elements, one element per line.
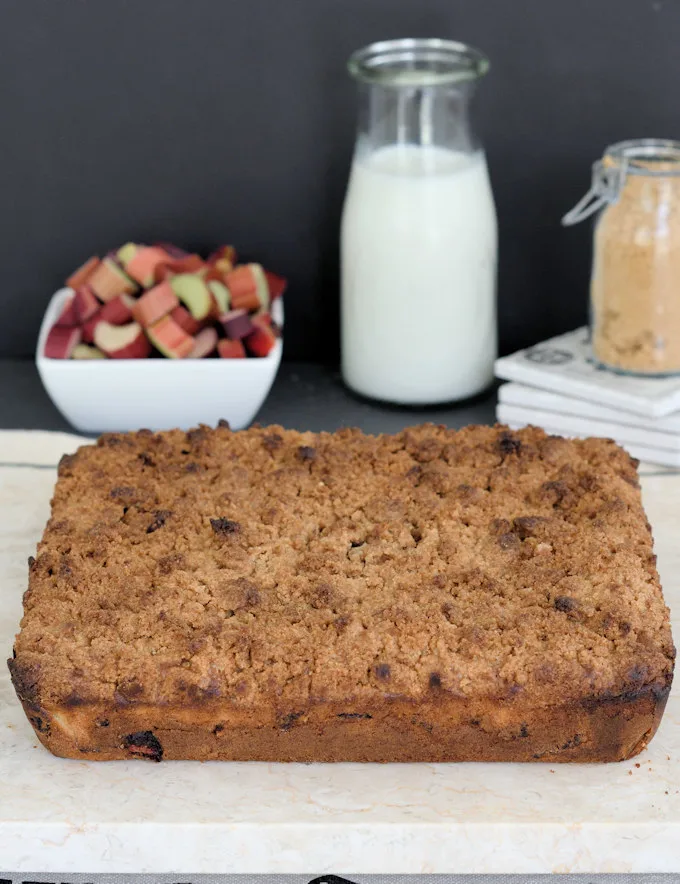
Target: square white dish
<point>116,395</point>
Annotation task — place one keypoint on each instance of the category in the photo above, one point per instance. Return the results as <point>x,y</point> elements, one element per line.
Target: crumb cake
<point>435,595</point>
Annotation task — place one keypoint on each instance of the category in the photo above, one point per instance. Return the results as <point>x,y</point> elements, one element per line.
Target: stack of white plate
<point>557,385</point>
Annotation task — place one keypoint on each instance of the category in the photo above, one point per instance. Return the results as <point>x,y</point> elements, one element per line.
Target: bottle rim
<point>417,62</point>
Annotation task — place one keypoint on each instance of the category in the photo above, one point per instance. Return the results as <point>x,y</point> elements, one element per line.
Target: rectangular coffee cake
<point>283,596</point>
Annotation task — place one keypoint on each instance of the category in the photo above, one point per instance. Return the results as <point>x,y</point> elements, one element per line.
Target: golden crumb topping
<point>275,566</point>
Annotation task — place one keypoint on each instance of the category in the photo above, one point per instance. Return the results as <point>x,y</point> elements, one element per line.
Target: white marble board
<point>185,817</point>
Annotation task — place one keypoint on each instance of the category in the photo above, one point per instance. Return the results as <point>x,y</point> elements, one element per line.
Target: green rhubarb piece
<point>194,293</point>
<point>84,351</point>
<point>131,285</point>
<point>262,286</point>
<point>127,252</point>
<point>221,294</point>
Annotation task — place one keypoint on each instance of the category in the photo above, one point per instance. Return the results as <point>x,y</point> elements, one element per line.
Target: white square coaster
<point>565,365</point>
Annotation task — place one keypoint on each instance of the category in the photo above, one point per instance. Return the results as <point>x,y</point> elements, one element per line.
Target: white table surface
<point>187,817</point>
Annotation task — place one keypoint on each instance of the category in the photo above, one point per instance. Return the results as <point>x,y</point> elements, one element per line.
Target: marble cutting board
<point>192,818</point>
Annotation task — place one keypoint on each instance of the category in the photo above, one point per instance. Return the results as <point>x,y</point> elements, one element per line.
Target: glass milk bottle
<point>419,233</point>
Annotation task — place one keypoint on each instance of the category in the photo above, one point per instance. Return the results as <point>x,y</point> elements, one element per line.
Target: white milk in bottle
<point>418,258</point>
<point>419,235</point>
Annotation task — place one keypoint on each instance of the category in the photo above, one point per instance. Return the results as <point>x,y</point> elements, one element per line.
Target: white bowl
<point>115,395</point>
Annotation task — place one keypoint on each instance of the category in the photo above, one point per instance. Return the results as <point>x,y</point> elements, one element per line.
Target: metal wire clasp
<point>607,183</point>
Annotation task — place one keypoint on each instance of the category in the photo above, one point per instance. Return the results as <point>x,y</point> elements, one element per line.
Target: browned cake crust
<point>284,596</point>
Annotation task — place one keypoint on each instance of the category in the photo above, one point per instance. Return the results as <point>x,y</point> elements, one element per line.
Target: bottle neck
<point>428,116</point>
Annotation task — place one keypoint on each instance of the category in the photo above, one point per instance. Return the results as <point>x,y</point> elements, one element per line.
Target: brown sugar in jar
<point>635,282</point>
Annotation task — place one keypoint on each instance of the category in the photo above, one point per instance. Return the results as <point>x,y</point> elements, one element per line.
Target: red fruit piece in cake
<point>108,281</point>
<point>61,341</point>
<point>236,324</point>
<point>84,351</point>
<point>142,265</point>
<point>205,343</point>
<point>223,259</point>
<point>154,304</point>
<point>261,341</point>
<point>185,320</point>
<point>83,273</point>
<point>122,341</point>
<point>231,350</point>
<point>85,304</point>
<point>170,338</point>
<point>194,293</point>
<point>277,284</point>
<point>242,283</point>
<point>68,317</point>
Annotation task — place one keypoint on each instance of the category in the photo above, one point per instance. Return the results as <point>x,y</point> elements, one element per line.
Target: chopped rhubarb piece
<point>264,320</point>
<point>236,324</point>
<point>205,343</point>
<point>83,351</point>
<point>68,318</point>
<point>89,327</point>
<point>85,304</point>
<point>221,295</point>
<point>262,286</point>
<point>154,304</point>
<point>108,281</point>
<point>245,301</point>
<point>188,264</point>
<point>211,273</point>
<point>223,259</point>
<point>83,273</point>
<point>170,338</point>
<point>261,341</point>
<point>243,288</point>
<point>185,320</point>
<point>231,349</point>
<point>161,273</point>
<point>126,253</point>
<point>194,293</point>
<point>61,342</point>
<point>114,256</point>
<point>142,266</point>
<point>122,341</point>
<point>118,311</point>
<point>277,284</point>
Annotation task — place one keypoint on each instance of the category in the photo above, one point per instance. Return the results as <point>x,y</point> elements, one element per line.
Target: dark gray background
<point>202,121</point>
